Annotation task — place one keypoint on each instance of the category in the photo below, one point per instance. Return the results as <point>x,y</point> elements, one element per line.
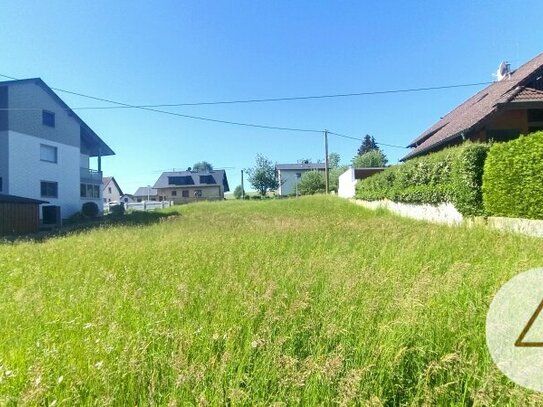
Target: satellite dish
<point>503,71</point>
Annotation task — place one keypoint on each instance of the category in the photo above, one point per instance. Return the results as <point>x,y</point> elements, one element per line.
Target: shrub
<point>256,197</point>
<point>90,210</point>
<point>451,175</point>
<point>312,182</point>
<point>117,210</point>
<point>513,178</point>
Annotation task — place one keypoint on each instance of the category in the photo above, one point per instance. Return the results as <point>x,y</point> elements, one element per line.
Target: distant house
<point>500,112</point>
<point>145,194</point>
<point>188,186</point>
<point>289,175</point>
<point>111,190</point>
<point>45,149</point>
<point>128,198</point>
<point>348,180</point>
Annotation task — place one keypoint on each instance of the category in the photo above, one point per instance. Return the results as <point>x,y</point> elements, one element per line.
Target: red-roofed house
<point>501,112</point>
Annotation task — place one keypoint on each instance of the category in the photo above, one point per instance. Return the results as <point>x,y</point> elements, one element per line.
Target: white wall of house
<point>26,171</point>
<point>347,184</point>
<point>111,193</point>
<point>288,179</point>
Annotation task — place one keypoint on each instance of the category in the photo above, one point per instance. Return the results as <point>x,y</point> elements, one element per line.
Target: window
<point>185,194</point>
<point>90,191</point>
<point>109,190</point>
<point>184,180</point>
<point>198,193</point>
<point>207,179</point>
<point>298,175</point>
<point>174,193</point>
<point>49,189</point>
<point>48,118</point>
<point>48,153</point>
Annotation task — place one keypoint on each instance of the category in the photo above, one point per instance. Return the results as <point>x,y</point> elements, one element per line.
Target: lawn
<point>301,301</point>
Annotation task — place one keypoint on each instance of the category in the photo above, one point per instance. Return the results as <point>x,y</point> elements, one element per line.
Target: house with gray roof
<point>145,194</point>
<point>46,149</point>
<point>189,186</point>
<point>288,175</point>
<point>507,108</point>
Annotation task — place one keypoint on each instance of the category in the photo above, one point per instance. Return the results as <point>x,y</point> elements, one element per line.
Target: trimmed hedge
<point>513,179</point>
<point>451,175</point>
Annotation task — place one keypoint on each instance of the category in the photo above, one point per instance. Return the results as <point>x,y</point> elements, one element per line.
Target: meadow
<point>281,302</point>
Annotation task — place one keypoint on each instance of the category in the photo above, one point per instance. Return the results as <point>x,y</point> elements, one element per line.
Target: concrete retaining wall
<point>530,227</point>
<point>443,213</point>
<point>447,214</point>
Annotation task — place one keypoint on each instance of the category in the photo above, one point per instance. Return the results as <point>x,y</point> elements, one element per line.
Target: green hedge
<point>513,179</point>
<point>451,175</point>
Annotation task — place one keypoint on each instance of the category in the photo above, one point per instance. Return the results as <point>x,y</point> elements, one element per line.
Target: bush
<point>451,175</point>
<point>90,210</point>
<point>312,182</point>
<point>513,178</point>
<point>117,210</point>
<point>256,197</point>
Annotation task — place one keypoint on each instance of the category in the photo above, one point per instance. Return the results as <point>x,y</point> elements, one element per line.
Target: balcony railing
<point>91,176</point>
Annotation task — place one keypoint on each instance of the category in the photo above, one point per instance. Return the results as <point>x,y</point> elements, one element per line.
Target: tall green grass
<point>312,300</point>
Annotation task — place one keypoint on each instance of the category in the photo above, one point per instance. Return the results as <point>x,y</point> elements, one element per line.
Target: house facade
<point>45,148</point>
<point>111,191</point>
<point>288,176</point>
<point>189,186</point>
<point>509,107</point>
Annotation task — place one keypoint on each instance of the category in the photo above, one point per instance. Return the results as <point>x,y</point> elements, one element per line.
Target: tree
<point>334,176</point>
<point>202,166</point>
<point>238,192</point>
<point>262,175</point>
<point>333,160</point>
<point>311,183</point>
<point>368,144</point>
<point>373,158</point>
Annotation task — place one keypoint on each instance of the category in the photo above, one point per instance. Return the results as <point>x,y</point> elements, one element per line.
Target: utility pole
<point>242,187</point>
<point>326,168</point>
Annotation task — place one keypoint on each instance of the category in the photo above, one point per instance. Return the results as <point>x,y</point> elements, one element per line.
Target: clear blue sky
<point>174,52</point>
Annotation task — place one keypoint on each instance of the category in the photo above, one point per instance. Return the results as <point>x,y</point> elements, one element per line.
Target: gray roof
<point>4,198</point>
<point>193,179</point>
<point>94,143</point>
<point>142,191</point>
<point>300,166</point>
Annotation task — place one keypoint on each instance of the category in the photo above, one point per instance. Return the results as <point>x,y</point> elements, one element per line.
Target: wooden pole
<point>326,168</point>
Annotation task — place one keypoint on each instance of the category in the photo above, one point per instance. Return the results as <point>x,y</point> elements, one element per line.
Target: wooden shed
<point>19,215</point>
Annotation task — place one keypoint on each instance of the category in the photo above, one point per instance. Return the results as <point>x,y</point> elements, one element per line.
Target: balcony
<point>91,176</point>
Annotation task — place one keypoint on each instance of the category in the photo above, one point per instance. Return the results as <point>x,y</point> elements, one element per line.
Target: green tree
<point>368,144</point>
<point>311,183</point>
<point>334,176</point>
<point>202,166</point>
<point>373,158</point>
<point>333,160</point>
<point>262,175</point>
<point>238,192</point>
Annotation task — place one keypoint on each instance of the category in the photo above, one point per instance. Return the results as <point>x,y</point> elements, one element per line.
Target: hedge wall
<point>451,175</point>
<point>513,178</point>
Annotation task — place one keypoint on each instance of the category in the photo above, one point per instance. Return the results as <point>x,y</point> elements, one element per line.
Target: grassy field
<point>313,301</point>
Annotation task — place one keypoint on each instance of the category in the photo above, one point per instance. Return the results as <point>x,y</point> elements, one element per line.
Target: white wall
<point>347,184</point>
<point>26,171</point>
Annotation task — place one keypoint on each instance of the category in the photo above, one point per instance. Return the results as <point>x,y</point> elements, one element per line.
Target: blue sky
<point>174,52</point>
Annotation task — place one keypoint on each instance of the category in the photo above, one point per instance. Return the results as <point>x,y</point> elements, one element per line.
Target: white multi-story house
<point>288,176</point>
<point>45,148</point>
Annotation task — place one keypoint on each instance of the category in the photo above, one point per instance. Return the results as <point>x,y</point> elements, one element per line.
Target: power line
<point>257,100</point>
<point>202,118</point>
<point>359,139</point>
